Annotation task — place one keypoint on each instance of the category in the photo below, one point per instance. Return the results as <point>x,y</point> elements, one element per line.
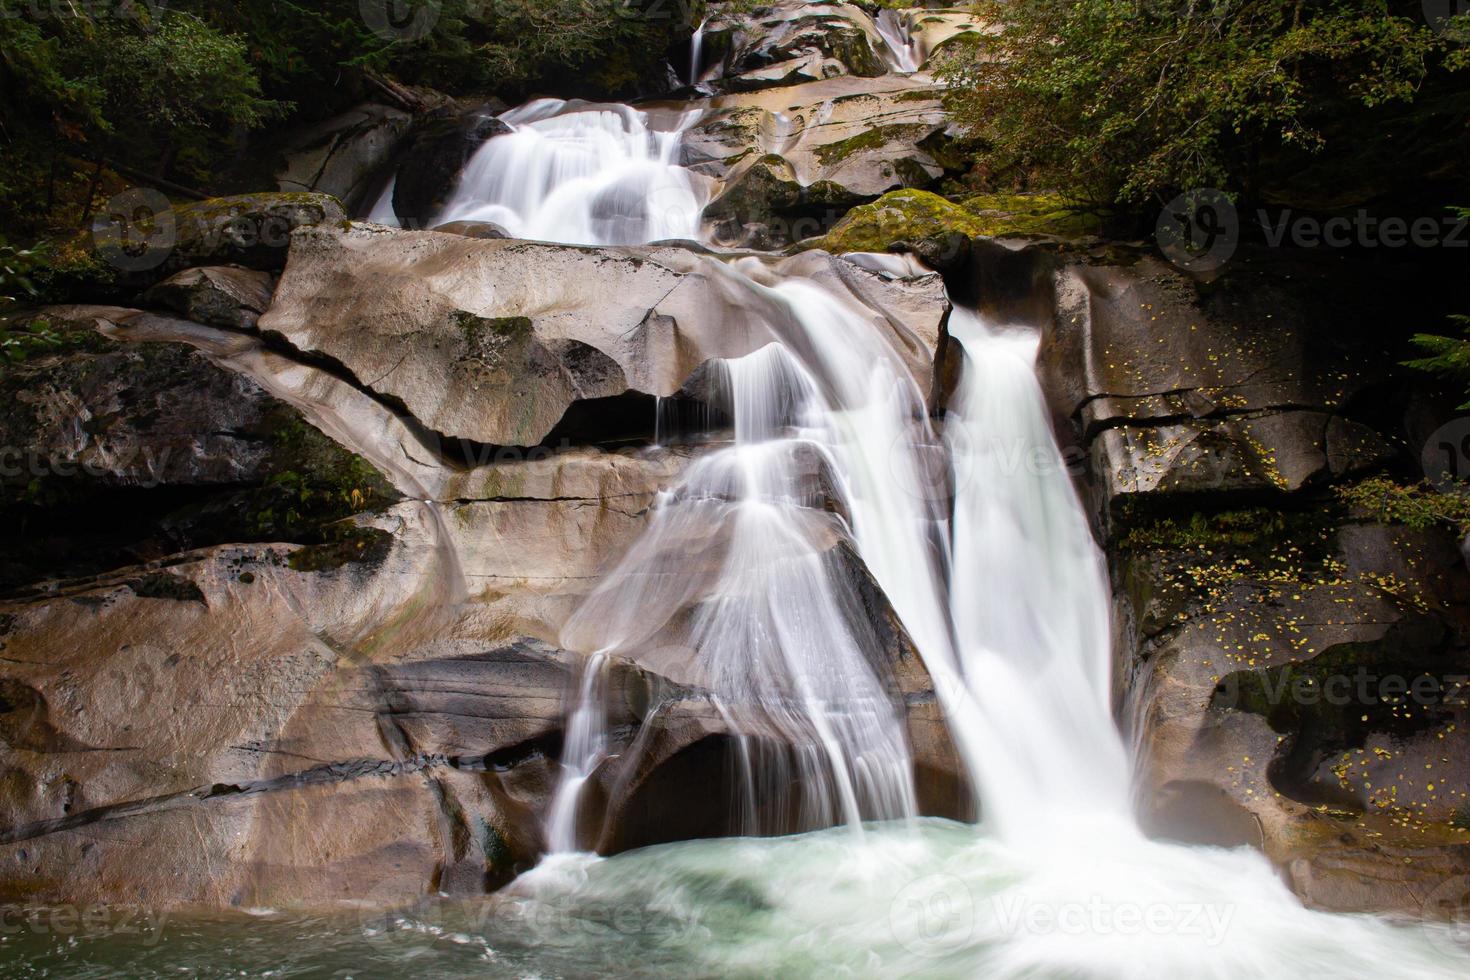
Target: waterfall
<point>696,54</point>
<point>742,586</point>
<point>382,210</point>
<point>897,32</point>
<point>584,749</point>
<point>1029,598</point>
<point>778,632</point>
<point>583,174</point>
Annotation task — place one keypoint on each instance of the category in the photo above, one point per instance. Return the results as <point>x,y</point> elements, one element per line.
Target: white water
<point>737,584</point>
<point>583,749</point>
<point>382,211</point>
<point>696,55</point>
<point>778,631</point>
<point>580,173</point>
<point>896,29</point>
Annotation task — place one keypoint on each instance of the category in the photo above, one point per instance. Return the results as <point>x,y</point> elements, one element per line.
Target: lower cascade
<point>744,587</point>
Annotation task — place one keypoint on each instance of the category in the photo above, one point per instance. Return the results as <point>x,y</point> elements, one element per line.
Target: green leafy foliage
<point>1119,101</point>
<point>176,90</point>
<point>1417,506</point>
<point>1446,356</point>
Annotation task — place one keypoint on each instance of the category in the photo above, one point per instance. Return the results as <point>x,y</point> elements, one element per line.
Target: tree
<point>1120,101</point>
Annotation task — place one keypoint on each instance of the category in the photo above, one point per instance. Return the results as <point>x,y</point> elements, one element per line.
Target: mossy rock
<point>349,545</point>
<point>250,230</point>
<point>831,154</point>
<point>914,215</point>
<point>253,230</point>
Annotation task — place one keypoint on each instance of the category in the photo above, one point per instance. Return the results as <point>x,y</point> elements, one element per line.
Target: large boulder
<point>221,296</point>
<point>343,155</point>
<point>510,343</point>
<point>808,153</point>
<point>250,230</point>
<point>195,453</point>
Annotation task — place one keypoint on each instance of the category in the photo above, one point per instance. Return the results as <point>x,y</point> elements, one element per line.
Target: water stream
<point>896,29</point>
<point>747,581</point>
<point>1005,595</point>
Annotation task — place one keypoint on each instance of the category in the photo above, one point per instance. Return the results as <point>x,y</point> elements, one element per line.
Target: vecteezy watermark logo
<point>1446,455</point>
<point>136,231</point>
<point>1199,230</point>
<point>90,921</point>
<point>1440,13</point>
<point>1447,915</point>
<point>933,915</point>
<point>1095,916</point>
<point>401,20</point>
<point>1364,230</point>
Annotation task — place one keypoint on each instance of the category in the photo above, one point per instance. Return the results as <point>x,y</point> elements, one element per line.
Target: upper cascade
<point>581,173</point>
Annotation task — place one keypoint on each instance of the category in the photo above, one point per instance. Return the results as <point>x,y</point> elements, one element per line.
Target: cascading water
<point>778,632</point>
<point>742,572</point>
<point>696,55</point>
<point>896,30</point>
<point>582,174</point>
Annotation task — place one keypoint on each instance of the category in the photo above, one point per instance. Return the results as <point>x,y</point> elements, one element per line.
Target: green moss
<point>24,338</point>
<point>1418,506</point>
<point>872,139</point>
<point>1243,528</point>
<point>911,215</point>
<point>474,328</point>
<point>163,585</point>
<point>346,544</point>
<point>315,482</point>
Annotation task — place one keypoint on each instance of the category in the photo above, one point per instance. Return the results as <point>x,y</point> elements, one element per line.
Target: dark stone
<point>437,151</point>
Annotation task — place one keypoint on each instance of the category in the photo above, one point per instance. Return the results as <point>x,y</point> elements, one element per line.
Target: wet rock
<point>474,229</point>
<point>435,154</point>
<point>564,341</point>
<point>222,296</point>
<point>1272,690</point>
<point>195,453</point>
<point>815,150</point>
<point>342,156</point>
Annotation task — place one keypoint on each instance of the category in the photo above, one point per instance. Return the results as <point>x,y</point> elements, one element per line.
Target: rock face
<point>195,453</point>
<point>435,154</point>
<point>791,42</point>
<point>813,118</point>
<point>788,43</point>
<point>1271,621</point>
<point>503,342</point>
<point>394,679</point>
<point>791,160</point>
<point>343,155</point>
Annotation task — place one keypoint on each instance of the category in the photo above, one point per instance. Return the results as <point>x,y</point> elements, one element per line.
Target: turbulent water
<point>744,581</point>
<point>580,173</point>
